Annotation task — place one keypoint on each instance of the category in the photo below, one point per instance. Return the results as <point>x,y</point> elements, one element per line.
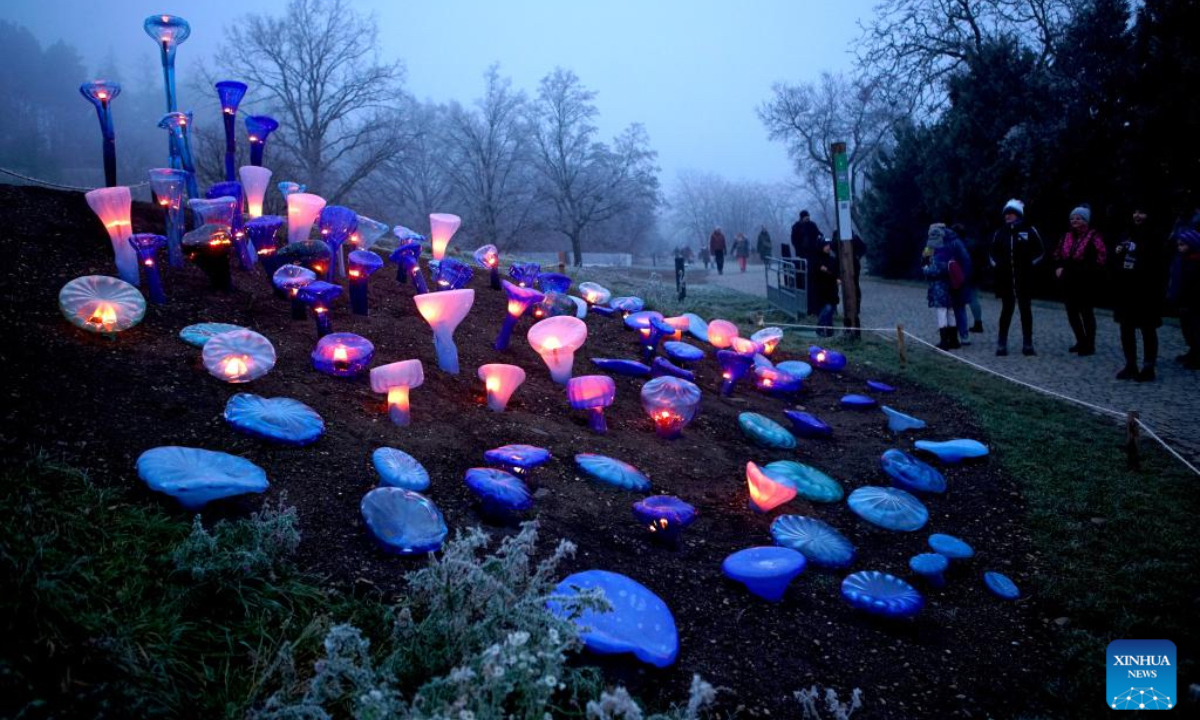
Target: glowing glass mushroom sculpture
<point>170,187</point>
<point>258,129</point>
<point>168,31</point>
<point>488,258</point>
<point>112,206</point>
<point>519,301</point>
<point>734,367</point>
<point>766,494</point>
<point>500,381</point>
<point>444,311</point>
<point>289,279</point>
<point>101,304</point>
<point>303,209</point>
<point>287,187</point>
<point>362,265</point>
<point>230,92</point>
<point>342,354</point>
<point>238,356</point>
<point>147,245</point>
<point>452,274</point>
<point>721,333</point>
<point>671,403</point>
<point>369,232</point>
<point>556,339</point>
<point>594,293</point>
<point>336,224</point>
<point>255,181</point>
<point>525,274</point>
<point>592,393</point>
<point>208,247</point>
<point>263,235</point>
<point>101,93</point>
<point>769,338</point>
<point>177,125</point>
<point>407,257</point>
<point>396,380</point>
<point>442,227</point>
<point>319,295</point>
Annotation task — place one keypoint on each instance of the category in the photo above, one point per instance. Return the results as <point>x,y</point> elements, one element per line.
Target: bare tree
<point>586,181</point>
<point>415,178</point>
<point>319,67</point>
<point>698,201</point>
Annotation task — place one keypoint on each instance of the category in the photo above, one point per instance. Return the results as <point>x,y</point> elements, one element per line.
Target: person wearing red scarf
<point>1079,263</point>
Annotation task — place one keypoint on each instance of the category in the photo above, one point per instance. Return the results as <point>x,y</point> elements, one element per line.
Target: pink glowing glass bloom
<point>396,380</point>
<point>302,212</point>
<point>721,333</point>
<point>594,293</point>
<point>500,381</point>
<point>444,311</point>
<point>765,493</point>
<point>442,227</point>
<point>238,356</point>
<point>101,304</point>
<point>592,393</point>
<point>680,324</point>
<point>769,338</point>
<point>556,339</point>
<point>671,403</point>
<point>112,206</point>
<point>743,346</point>
<point>255,181</point>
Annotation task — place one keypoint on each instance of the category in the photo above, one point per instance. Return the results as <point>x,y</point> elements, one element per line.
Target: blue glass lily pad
<point>697,327</point>
<point>641,320</point>
<point>682,352</point>
<point>518,459</point>
<point>953,451</point>
<point>500,492</point>
<point>665,516</point>
<point>196,477</point>
<point>766,570</point>
<point>629,368</point>
<point>950,546</point>
<point>858,402</point>
<point>930,566</point>
<point>402,521</point>
<point>879,386</point>
<point>911,474</point>
<point>630,304</point>
<point>898,422</point>
<point>819,542</point>
<point>766,432</point>
<point>198,334</point>
<point>808,425</point>
<point>809,482</point>
<point>282,420</point>
<point>399,469</point>
<point>613,472</point>
<point>882,594</point>
<point>639,622</point>
<point>795,368</point>
<point>662,366</point>
<point>889,508</point>
<point>1001,586</point>
<point>761,360</point>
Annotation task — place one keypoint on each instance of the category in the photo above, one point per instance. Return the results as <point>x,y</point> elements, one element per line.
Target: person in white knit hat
<point>1016,250</point>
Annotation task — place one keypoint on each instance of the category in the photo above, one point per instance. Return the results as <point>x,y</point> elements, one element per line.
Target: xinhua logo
<point>1141,675</point>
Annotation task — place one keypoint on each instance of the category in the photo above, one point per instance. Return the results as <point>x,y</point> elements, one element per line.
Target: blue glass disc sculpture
<point>858,402</point>
<point>882,594</point>
<point>665,516</point>
<point>766,570</point>
<point>200,333</point>
<point>734,367</point>
<point>280,420</point>
<point>953,451</point>
<point>930,566</point>
<point>662,366</point>
<point>627,305</point>
<point>230,92</point>
<point>342,354</point>
<point>238,356</point>
<point>766,432</point>
<point>397,468</point>
<point>501,494</point>
<point>950,546</point>
<point>628,368</point>
<point>809,482</point>
<point>819,542</point>
<point>258,129</point>
<point>452,274</point>
<point>1001,586</point>
<point>518,459</point>
<point>825,359</point>
<point>554,282</point>
<point>807,425</point>
<point>697,327</point>
<point>879,386</point>
<point>525,274</point>
<point>100,93</point>
<point>196,477</point>
<point>911,474</point>
<point>403,522</point>
<point>795,368</point>
<point>336,225</point>
<point>639,622</point>
<point>889,508</point>
<point>682,352</point>
<point>611,471</point>
<point>641,320</point>
<point>898,422</point>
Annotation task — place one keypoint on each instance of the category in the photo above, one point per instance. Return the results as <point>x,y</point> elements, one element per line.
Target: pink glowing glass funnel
<point>766,494</point>
<point>556,339</point>
<point>396,380</point>
<point>442,227</point>
<point>444,311</point>
<point>302,212</point>
<point>112,205</point>
<point>255,181</point>
<point>500,381</point>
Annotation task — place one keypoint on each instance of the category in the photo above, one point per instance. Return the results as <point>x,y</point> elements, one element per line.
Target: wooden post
<point>562,262</point>
<point>843,237</point>
<point>900,345</point>
<point>1132,433</point>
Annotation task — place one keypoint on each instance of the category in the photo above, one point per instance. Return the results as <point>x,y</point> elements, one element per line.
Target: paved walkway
<point>1170,405</point>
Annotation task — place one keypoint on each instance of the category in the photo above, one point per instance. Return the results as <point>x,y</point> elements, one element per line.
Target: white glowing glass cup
<point>500,381</point>
<point>255,181</point>
<point>556,339</point>
<point>112,206</point>
<point>396,380</point>
<point>444,311</point>
<point>442,227</point>
<point>303,209</point>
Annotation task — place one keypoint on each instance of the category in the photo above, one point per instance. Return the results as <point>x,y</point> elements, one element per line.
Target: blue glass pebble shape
<point>682,352</point>
<point>397,468</point>
<point>662,366</point>
<point>882,594</point>
<point>403,522</point>
<point>909,473</point>
<point>196,477</point>
<point>499,491</point>
<point>198,334</point>
<point>808,425</point>
<point>641,319</point>
<point>879,386</point>
<point>898,422</point>
<point>809,482</point>
<point>281,420</point>
<point>697,327</point>
<point>950,546</point>
<point>1001,586</point>
<point>766,432</point>
<point>765,570</point>
<point>613,472</point>
<point>889,508</point>
<point>630,304</point>
<point>639,622</point>
<point>521,457</point>
<point>664,515</point>
<point>628,368</point>
<point>795,368</point>
<point>818,541</point>
<point>953,451</point>
<point>930,566</point>
<point>858,402</point>
<point>359,353</point>
<point>833,361</point>
<point>761,360</point>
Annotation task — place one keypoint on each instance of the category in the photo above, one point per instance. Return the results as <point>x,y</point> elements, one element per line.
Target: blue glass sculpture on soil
<point>263,234</point>
<point>196,477</point>
<point>407,257</point>
<point>807,425</point>
<point>627,305</point>
<point>774,381</point>
<point>230,93</point>
<point>734,367</point>
<point>592,393</point>
<point>898,422</point>
<point>452,274</point>
<point>766,432</point>
<point>682,352</point>
<point>766,570</point>
<point>177,125</point>
<point>403,522</point>
<point>397,468</point>
<point>824,546</point>
<point>168,32</point>
<point>858,402</point>
<point>519,460</point>
<point>889,508</point>
<point>312,254</point>
<point>336,224</point>
<point>488,258</point>
<point>319,295</point>
<point>879,386</point>
<point>342,354</point>
<point>953,451</point>
<point>1001,586</point>
<point>611,471</point>
<point>289,279</point>
<point>360,266</point>
<point>628,368</point>
<point>519,301</point>
<point>671,403</point>
<point>554,282</point>
<point>101,93</point>
<point>825,359</point>
<point>200,333</point>
<point>697,327</point>
<point>147,245</point>
<point>501,494</point>
<point>909,473</point>
<point>882,594</point>
<point>170,188</point>
<point>810,483</point>
<point>664,516</point>
<point>208,248</point>
<point>525,274</point>
<point>661,367</point>
<point>930,566</point>
<point>639,621</point>
<point>795,368</point>
<point>950,546</point>
<point>279,420</point>
<point>640,320</point>
<point>258,129</point>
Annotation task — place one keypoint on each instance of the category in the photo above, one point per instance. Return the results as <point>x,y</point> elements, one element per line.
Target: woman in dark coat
<point>1015,251</point>
<point>1140,284</point>
<point>1079,261</point>
<point>825,287</point>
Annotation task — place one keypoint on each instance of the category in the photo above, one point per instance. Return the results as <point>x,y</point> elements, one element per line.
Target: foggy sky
<point>692,71</point>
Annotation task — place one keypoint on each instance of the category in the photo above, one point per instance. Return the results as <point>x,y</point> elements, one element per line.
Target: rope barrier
<point>58,186</point>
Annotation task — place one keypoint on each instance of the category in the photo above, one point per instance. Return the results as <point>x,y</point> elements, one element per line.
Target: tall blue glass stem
<point>256,152</point>
<point>230,147</point>
<point>358,295</point>
<point>506,329</point>
<point>446,351</point>
<point>175,227</point>
<point>110,143</point>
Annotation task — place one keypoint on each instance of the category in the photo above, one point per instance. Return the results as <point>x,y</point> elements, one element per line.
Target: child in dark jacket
<point>937,257</point>
<point>825,287</point>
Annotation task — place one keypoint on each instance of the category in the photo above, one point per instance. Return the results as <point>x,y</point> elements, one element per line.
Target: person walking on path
<point>716,246</point>
<point>704,257</point>
<point>959,272</point>
<point>825,287</point>
<point>937,258</point>
<point>1185,292</point>
<point>970,292</point>
<point>1015,251</point>
<point>1139,283</point>
<point>764,245</point>
<point>1079,260</point>
<point>741,250</point>
<point>807,244</point>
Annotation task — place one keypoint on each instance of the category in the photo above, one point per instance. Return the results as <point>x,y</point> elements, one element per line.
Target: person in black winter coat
<point>1140,286</point>
<point>1016,249</point>
<point>825,286</point>
<point>807,243</point>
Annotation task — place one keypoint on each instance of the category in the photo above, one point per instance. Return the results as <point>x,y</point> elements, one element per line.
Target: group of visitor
<point>714,251</point>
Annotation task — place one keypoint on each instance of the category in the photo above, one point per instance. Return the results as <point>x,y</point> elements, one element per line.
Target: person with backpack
<point>1079,260</point>
<point>1016,250</point>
